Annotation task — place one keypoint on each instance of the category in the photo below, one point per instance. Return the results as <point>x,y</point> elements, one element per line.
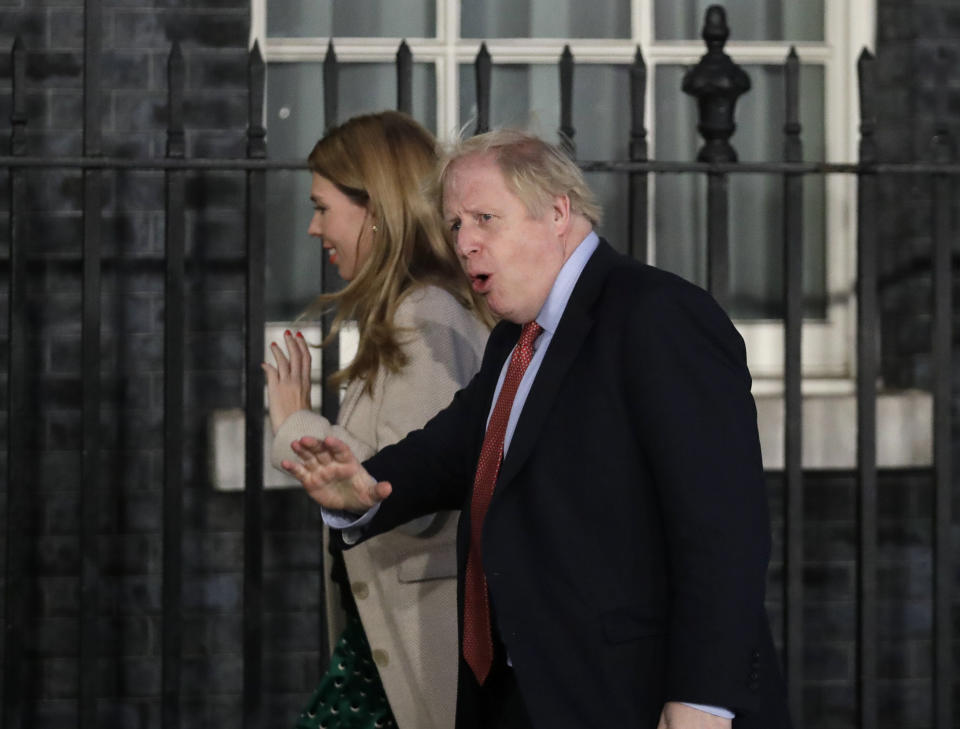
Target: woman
<point>421,337</point>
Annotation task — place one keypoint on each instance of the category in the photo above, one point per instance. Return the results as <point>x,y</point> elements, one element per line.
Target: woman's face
<point>343,226</point>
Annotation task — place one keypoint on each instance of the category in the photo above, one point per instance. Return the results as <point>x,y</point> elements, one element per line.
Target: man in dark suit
<point>614,535</point>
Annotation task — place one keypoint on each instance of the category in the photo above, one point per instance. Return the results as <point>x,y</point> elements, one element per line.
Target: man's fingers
<point>339,450</point>
<point>382,490</point>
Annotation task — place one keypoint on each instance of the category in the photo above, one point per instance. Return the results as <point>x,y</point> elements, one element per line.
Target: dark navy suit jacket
<point>627,541</point>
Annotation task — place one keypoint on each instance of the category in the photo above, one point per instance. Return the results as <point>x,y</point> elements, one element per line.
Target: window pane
<point>294,123</point>
<point>544,19</point>
<point>351,18</point>
<point>749,20</point>
<point>756,201</point>
<point>529,97</point>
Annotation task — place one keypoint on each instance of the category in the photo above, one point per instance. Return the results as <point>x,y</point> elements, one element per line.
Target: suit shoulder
<point>642,284</point>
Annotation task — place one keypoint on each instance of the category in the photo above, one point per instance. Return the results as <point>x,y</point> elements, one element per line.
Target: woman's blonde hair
<point>385,162</point>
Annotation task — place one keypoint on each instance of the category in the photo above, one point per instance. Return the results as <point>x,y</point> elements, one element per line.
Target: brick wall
<point>137,37</point>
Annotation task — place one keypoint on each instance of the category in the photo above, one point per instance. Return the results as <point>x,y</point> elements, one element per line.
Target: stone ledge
<point>904,430</point>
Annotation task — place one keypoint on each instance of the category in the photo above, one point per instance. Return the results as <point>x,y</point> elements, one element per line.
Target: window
<point>525,39</point>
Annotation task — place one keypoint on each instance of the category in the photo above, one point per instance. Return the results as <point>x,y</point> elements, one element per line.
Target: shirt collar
<point>556,303</point>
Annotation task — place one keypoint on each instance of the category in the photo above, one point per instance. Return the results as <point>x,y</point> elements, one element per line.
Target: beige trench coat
<point>404,581</point>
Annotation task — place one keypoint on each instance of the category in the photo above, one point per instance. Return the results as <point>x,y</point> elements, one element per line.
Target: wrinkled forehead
<point>471,179</point>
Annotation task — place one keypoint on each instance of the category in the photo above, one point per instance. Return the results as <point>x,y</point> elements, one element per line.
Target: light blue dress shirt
<point>549,318</point>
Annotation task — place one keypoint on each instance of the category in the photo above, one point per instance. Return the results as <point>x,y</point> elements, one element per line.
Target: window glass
<point>295,120</point>
<point>529,97</point>
<point>756,201</point>
<point>749,20</point>
<point>544,19</point>
<point>351,18</point>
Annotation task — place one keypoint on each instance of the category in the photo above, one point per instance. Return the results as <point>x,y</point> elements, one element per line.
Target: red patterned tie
<point>477,639</point>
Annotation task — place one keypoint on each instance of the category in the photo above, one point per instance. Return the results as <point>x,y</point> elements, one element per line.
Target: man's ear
<point>560,212</point>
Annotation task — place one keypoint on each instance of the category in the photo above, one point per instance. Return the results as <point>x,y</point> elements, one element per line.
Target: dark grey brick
<point>216,591</point>
<point>206,635</point>
<point>130,595</point>
<point>128,713</point>
<point>829,705</point>
<point>57,637</point>
<point>228,143</point>
<point>28,24</point>
<point>904,703</point>
<point>55,69</point>
<point>58,595</point>
<point>213,552</point>
<point>830,620</point>
<point>56,678</point>
<point>134,677</point>
<point>212,676</point>
<point>829,661</point>
<point>291,590</point>
<point>217,70</point>
<point>286,551</point>
<point>832,580</point>
<point>130,554</point>
<point>159,29</point>
<point>904,618</point>
<point>216,236</point>
<point>904,659</point>
<point>65,28</point>
<point>128,70</point>
<point>292,632</point>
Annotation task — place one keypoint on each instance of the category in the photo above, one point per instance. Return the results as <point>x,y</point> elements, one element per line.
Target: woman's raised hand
<point>288,383</point>
<point>333,476</point>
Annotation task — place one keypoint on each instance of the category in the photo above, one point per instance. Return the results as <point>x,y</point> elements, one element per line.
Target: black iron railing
<point>716,162</point>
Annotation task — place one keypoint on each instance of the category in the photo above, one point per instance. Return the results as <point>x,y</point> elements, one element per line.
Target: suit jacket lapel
<point>576,322</point>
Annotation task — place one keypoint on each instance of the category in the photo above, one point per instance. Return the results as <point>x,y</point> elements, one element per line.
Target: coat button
<point>360,590</point>
<point>380,657</point>
<point>754,676</point>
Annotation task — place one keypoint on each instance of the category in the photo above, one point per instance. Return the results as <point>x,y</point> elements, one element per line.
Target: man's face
<point>511,257</point>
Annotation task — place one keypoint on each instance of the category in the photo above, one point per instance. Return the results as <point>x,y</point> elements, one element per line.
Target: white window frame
<point>850,25</point>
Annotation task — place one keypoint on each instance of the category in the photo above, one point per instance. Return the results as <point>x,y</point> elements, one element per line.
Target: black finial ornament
<point>716,82</point>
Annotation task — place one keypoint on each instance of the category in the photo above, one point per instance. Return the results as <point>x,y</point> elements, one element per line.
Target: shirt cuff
<point>348,522</point>
<point>715,710</point>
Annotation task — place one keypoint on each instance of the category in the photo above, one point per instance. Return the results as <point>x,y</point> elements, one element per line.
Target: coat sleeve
<point>432,468</point>
<point>697,428</point>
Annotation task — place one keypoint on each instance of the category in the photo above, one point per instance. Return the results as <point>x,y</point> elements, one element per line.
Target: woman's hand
<point>288,383</point>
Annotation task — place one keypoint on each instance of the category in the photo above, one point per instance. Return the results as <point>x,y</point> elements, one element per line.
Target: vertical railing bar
<point>718,244</point>
<point>867,209</point>
<point>17,688</point>
<point>254,404</point>
<point>92,242</point>
<point>792,393</point>
<point>330,354</point>
<point>331,88</point>
<point>942,402</point>
<point>637,182</point>
<point>173,376</point>
<point>404,78</point>
<point>482,68</point>
<point>716,82</point>
<point>566,131</point>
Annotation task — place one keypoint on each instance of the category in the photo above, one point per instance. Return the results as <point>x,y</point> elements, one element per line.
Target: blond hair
<point>385,162</point>
<point>534,170</point>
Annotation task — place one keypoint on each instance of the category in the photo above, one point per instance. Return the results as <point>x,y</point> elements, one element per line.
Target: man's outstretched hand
<point>333,476</point>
